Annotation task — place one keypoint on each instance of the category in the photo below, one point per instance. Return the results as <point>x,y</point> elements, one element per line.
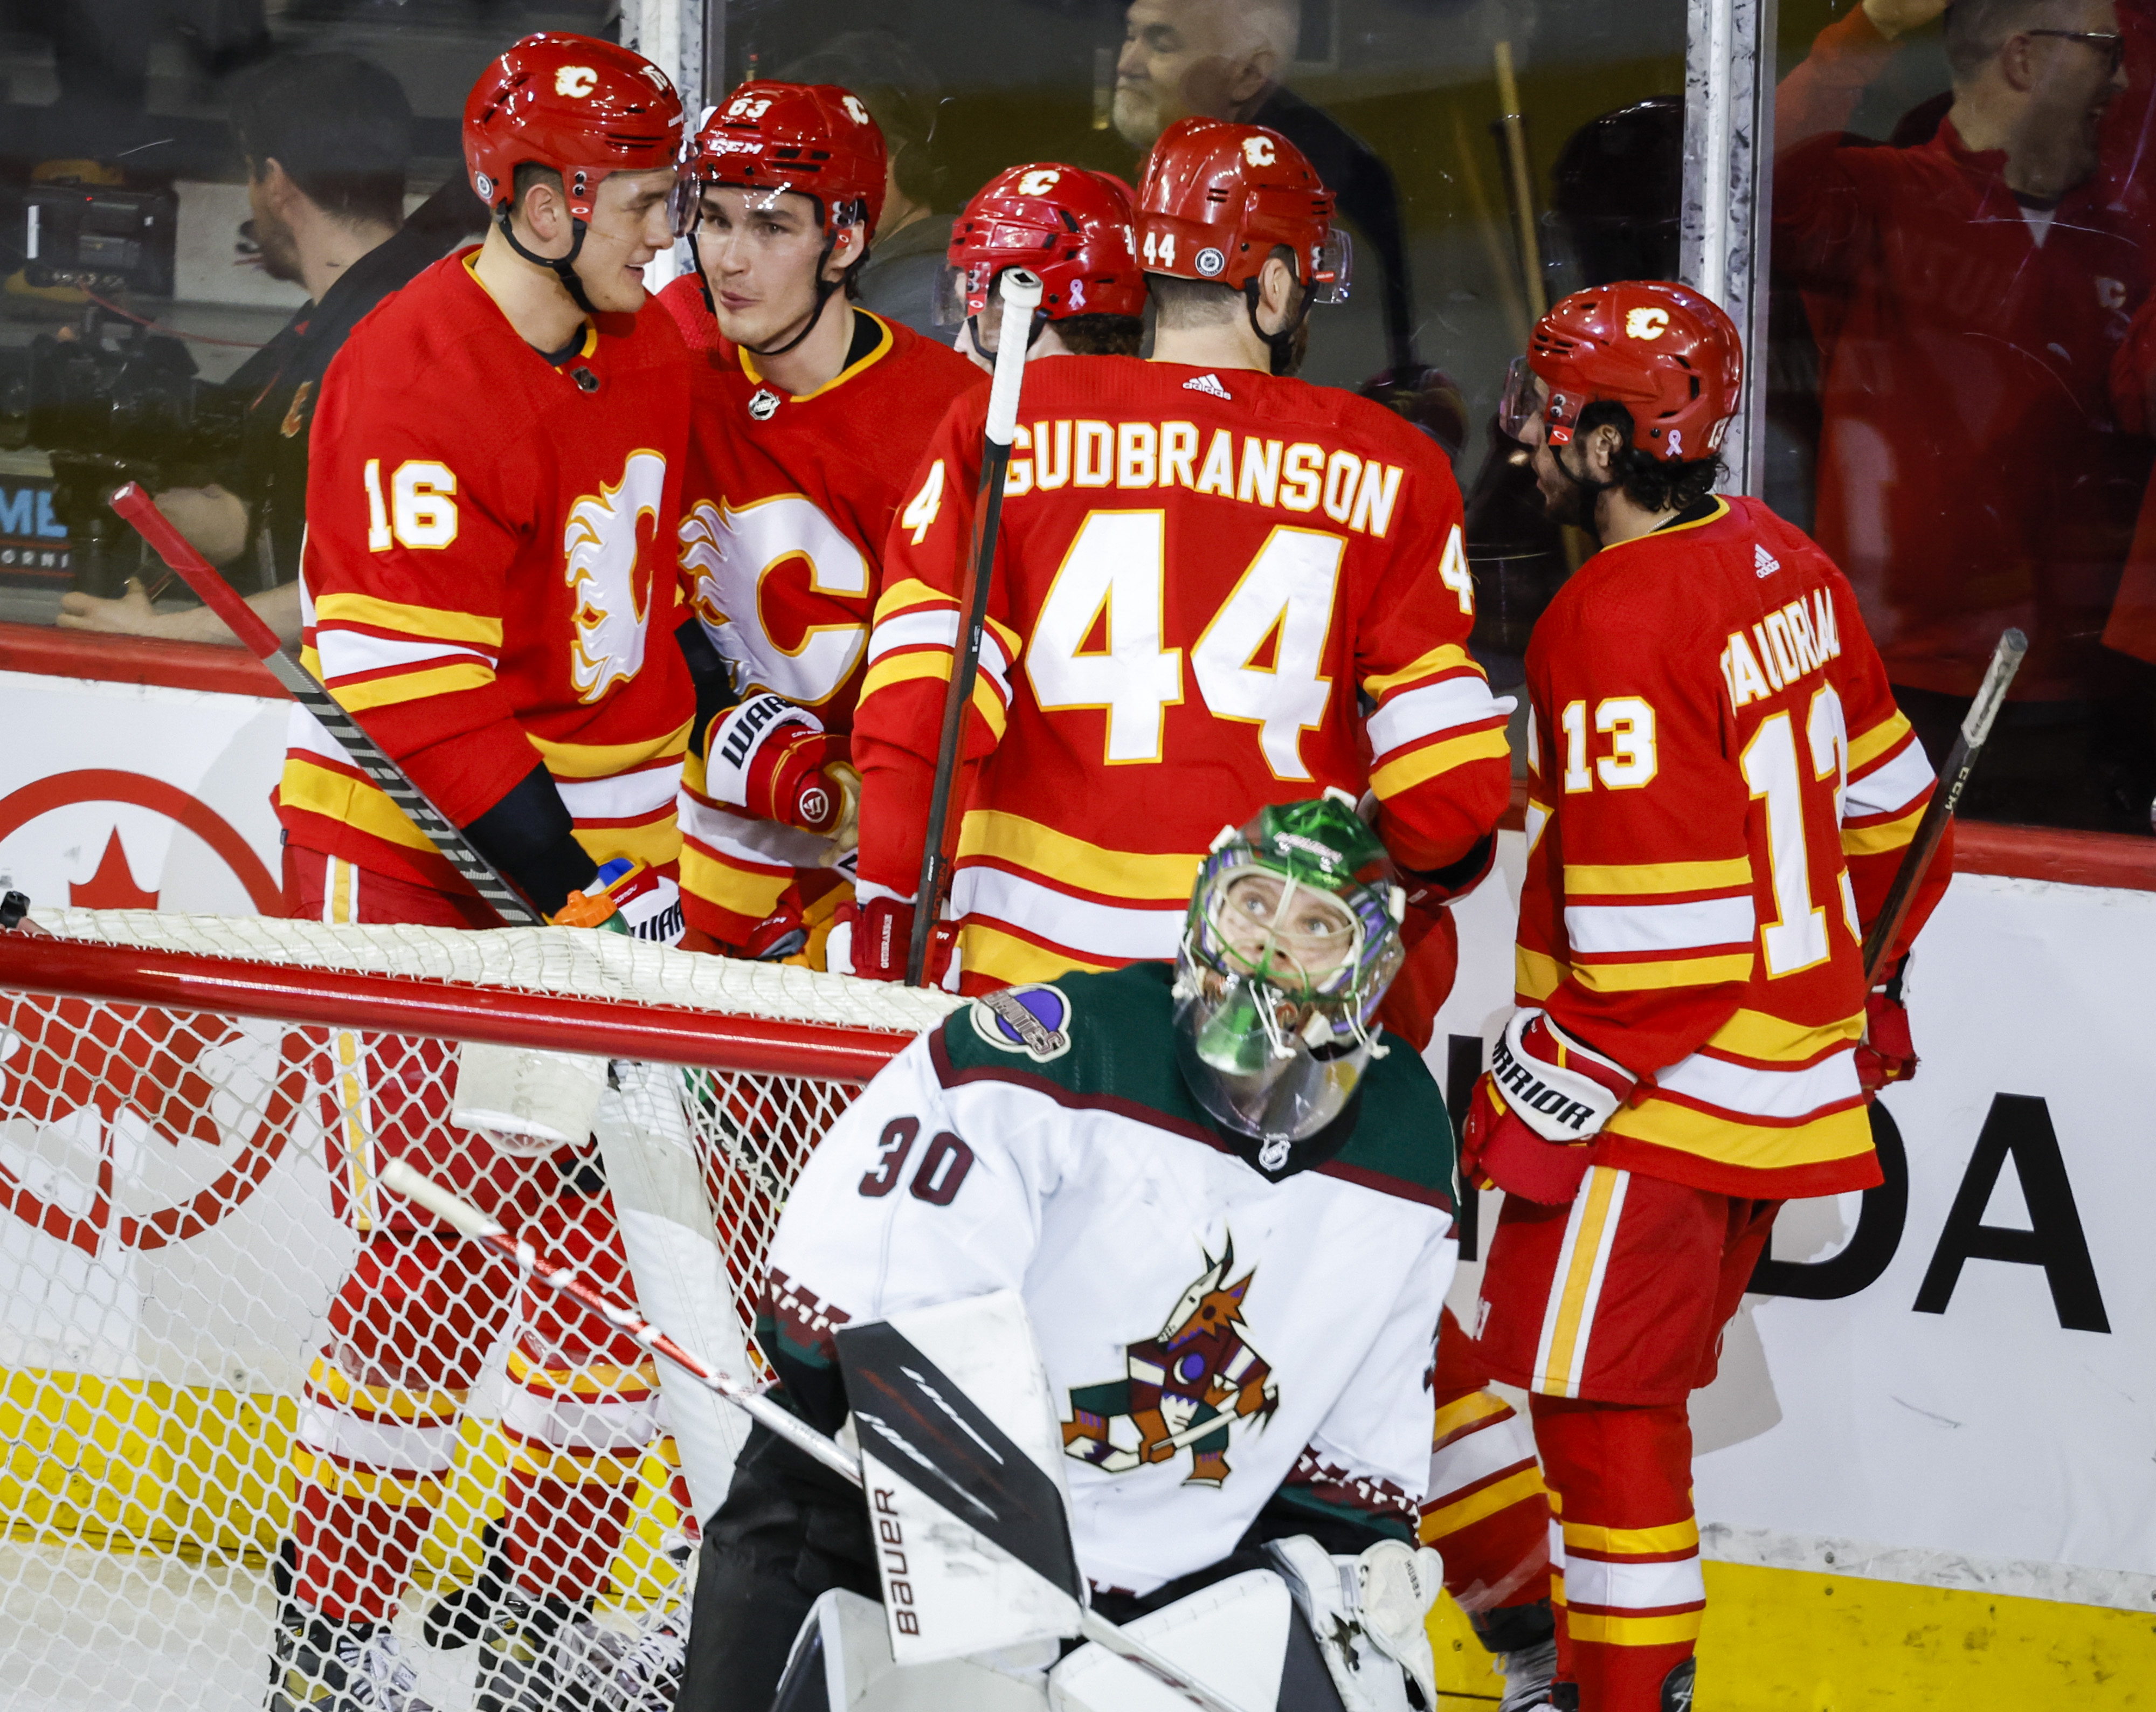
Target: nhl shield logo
<point>762,404</point>
<point>1210,261</point>
<point>1030,1019</point>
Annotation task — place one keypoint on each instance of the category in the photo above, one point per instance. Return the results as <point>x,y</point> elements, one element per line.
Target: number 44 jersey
<point>1218,1339</point>
<point>1205,579</point>
<point>1720,791</point>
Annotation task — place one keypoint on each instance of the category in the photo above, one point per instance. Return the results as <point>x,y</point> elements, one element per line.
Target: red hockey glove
<point>872,937</point>
<point>627,897</point>
<point>1544,1098</point>
<point>772,760</point>
<point>1887,1054</point>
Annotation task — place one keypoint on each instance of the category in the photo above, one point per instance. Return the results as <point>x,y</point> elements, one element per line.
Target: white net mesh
<point>241,1390</point>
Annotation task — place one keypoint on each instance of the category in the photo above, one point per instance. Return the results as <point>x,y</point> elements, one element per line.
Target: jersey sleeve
<point>1440,765</point>
<point>904,1205</point>
<point>913,647</point>
<point>408,541</point>
<point>1890,784</point>
<point>1369,1462</point>
<point>1650,924</point>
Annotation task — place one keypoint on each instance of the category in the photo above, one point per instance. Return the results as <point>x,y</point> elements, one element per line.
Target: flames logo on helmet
<point>575,81</point>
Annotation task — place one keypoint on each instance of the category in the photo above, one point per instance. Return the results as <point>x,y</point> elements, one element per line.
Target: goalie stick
<point>138,508</point>
<point>1020,292</point>
<point>468,1220</point>
<point>1953,778</point>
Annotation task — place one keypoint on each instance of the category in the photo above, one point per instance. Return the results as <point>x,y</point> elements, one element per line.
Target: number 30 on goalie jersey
<point>1202,581</point>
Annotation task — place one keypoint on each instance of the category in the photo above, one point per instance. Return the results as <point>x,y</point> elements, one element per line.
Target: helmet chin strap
<point>988,356</point>
<point>825,288</point>
<point>1285,358</point>
<point>1590,493</point>
<point>562,267</point>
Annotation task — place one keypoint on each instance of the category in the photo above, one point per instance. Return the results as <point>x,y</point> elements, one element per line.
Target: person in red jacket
<point>1720,790</point>
<point>1969,295</point>
<point>808,416</point>
<point>488,588</point>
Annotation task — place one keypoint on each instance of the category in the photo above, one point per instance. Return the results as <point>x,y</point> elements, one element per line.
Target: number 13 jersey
<point>1204,578</point>
<point>1720,790</point>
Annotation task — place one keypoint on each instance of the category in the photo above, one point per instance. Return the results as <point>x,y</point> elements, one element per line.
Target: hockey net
<point>181,1189</point>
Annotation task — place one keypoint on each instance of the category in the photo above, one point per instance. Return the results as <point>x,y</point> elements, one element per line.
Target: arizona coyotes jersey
<point>1202,580</point>
<point>1212,1337</point>
<point>1720,789</point>
<point>786,503</point>
<point>489,578</point>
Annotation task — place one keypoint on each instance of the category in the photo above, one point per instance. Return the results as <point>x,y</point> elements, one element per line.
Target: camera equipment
<point>131,411</point>
<point>100,237</point>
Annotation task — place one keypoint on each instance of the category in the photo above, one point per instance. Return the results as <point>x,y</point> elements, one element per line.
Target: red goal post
<point>177,1203</point>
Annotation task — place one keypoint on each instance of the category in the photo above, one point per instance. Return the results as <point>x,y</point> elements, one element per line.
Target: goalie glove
<point>1397,1583</point>
<point>1544,1098</point>
<point>872,937</point>
<point>627,897</point>
<point>774,761</point>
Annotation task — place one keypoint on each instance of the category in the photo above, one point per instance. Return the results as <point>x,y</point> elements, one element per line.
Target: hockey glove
<point>775,762</point>
<point>627,897</point>
<point>1887,1053</point>
<point>872,937</point>
<point>1544,1098</point>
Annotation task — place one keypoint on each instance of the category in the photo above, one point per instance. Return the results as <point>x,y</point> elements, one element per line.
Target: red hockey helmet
<point>1069,226</point>
<point>583,106</point>
<point>814,139</point>
<point>1669,355</point>
<point>1216,197</point>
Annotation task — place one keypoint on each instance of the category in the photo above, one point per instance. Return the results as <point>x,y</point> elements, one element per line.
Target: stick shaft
<point>1946,796</point>
<point>138,509</point>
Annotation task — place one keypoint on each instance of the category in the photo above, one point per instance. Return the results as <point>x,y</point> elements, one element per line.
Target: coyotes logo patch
<point>1183,1390</point>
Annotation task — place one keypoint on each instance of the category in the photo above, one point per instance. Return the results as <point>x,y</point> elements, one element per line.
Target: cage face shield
<point>1292,939</point>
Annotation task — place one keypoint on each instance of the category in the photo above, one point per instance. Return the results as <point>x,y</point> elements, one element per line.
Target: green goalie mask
<point>1292,938</point>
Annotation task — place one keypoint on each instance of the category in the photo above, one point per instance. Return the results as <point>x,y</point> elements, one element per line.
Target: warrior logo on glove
<point>1184,1389</point>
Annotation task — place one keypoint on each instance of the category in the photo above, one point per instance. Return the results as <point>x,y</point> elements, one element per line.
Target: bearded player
<point>488,588</point>
<point>1720,789</point>
<point>809,415</point>
<point>1226,1130</point>
<point>1302,548</point>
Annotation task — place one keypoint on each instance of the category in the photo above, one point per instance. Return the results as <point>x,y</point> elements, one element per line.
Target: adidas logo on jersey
<point>1762,562</point>
<point>1208,384</point>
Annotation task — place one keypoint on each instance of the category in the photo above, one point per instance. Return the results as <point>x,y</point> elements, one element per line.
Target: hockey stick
<point>1953,777</point>
<point>1020,292</point>
<point>469,1221</point>
<point>138,508</point>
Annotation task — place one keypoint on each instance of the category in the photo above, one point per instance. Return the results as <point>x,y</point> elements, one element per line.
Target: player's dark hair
<point>1193,303</point>
<point>339,125</point>
<point>894,84</point>
<point>1102,335</point>
<point>527,174</point>
<point>1648,481</point>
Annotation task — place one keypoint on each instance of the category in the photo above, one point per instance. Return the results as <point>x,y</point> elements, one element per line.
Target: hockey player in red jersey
<point>1318,558</point>
<point>1720,791</point>
<point>810,416</point>
<point>488,588</point>
<point>1300,546</point>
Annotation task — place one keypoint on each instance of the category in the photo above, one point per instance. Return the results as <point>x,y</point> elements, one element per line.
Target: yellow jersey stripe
<point>1463,1413</point>
<point>592,1468</point>
<point>904,668</point>
<point>1579,1285</point>
<point>593,1380</point>
<point>997,836</point>
<point>909,592</point>
<point>436,1408</point>
<point>1466,1512</point>
<point>397,1491</point>
<point>413,686</point>
<point>436,623</point>
<point>1534,975</point>
<point>1663,972</point>
<point>744,891</point>
<point>1754,1034</point>
<point>1632,1631</point>
<point>1731,1141</point>
<point>1005,957</point>
<point>1866,747</point>
<point>1632,879</point>
<point>1633,1542</point>
<point>605,760</point>
<point>654,842</point>
<point>1887,835</point>
<point>1446,656</point>
<point>353,802</point>
<point>1412,768</point>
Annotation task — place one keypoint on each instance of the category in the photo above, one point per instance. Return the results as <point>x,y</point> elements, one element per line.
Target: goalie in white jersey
<point>1227,1207</point>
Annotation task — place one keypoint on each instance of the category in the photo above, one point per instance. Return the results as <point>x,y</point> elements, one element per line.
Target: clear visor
<point>1329,280</point>
<point>1523,401</point>
<point>685,203</point>
<point>1275,931</point>
<point>947,302</point>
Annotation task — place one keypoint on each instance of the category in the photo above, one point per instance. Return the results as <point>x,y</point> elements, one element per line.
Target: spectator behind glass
<point>326,137</point>
<point>1223,60</point>
<point>1967,295</point>
<point>906,252</point>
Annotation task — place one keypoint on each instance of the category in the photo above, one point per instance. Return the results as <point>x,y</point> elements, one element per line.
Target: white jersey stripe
<point>381,1445</point>
<point>1111,932</point>
<point>1890,786</point>
<point>1745,1090</point>
<point>1600,929</point>
<point>1454,702</point>
<point>627,796</point>
<point>1633,1586</point>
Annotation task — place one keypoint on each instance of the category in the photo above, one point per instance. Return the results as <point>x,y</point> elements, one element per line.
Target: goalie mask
<point>1292,938</point>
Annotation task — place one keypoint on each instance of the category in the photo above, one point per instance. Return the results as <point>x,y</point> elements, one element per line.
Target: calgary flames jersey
<point>786,503</point>
<point>1721,789</point>
<point>1201,579</point>
<point>489,581</point>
